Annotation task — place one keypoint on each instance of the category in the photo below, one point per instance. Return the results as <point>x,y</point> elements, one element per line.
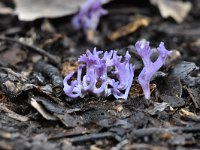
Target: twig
<point>91,137</point>
<point>138,133</point>
<point>54,59</point>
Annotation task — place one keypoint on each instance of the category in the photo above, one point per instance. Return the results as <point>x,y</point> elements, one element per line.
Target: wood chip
<point>129,28</point>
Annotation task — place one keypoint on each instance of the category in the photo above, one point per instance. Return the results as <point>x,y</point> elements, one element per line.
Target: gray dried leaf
<point>173,100</point>
<point>158,107</point>
<point>29,10</point>
<point>50,106</point>
<point>183,70</point>
<point>178,10</point>
<point>10,85</point>
<point>69,120</point>
<point>170,86</point>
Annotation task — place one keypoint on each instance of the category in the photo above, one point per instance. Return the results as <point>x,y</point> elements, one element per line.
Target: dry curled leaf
<point>178,10</point>
<point>41,110</point>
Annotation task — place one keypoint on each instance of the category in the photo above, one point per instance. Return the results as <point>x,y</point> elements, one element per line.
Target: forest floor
<point>36,55</point>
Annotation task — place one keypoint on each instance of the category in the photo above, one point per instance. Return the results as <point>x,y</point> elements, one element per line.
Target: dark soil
<point>36,114</point>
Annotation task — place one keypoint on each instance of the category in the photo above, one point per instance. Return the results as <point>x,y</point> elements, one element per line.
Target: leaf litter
<point>170,119</point>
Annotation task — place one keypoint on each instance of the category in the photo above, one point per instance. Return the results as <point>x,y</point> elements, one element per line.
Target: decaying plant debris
<point>36,55</point>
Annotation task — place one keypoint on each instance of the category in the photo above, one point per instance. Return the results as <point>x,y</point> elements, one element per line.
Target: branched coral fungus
<point>124,72</point>
<point>98,65</point>
<point>150,67</point>
<point>89,15</point>
<point>96,80</point>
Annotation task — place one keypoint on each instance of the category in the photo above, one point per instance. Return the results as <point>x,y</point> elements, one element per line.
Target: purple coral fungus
<point>98,64</point>
<point>89,15</point>
<point>150,67</point>
<point>96,80</point>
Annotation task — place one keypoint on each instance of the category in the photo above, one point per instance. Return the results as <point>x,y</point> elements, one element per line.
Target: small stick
<point>138,133</point>
<point>52,58</point>
<point>92,136</point>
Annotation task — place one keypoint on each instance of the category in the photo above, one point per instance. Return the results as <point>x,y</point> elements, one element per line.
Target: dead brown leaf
<point>14,56</point>
<point>178,10</point>
<point>136,90</point>
<point>68,67</point>
<point>129,28</point>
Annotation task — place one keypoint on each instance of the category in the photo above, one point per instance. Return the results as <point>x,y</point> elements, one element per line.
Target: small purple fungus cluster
<point>89,15</point>
<point>98,65</point>
<point>96,80</point>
